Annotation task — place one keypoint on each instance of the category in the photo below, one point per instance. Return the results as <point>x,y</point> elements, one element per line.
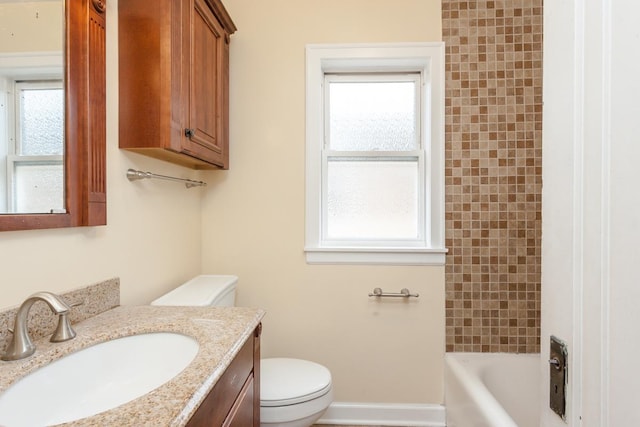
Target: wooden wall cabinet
<point>235,399</point>
<point>174,80</point>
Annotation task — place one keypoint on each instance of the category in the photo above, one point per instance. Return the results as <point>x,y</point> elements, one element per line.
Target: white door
<point>591,207</point>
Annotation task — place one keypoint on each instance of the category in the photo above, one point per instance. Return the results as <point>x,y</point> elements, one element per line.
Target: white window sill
<point>386,256</point>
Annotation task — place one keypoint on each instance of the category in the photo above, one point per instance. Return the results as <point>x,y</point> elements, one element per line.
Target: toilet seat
<point>285,381</point>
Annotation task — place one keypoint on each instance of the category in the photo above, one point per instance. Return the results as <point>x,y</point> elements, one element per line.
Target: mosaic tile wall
<point>493,174</point>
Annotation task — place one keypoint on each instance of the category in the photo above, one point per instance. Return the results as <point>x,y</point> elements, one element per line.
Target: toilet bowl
<point>293,392</point>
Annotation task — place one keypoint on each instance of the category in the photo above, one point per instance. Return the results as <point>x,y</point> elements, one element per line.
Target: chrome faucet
<point>21,345</point>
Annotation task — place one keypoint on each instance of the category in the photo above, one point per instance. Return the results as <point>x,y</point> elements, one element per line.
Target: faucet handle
<point>64,331</point>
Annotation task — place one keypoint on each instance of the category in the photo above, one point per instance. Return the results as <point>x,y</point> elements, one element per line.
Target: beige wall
<point>253,215</point>
<point>31,26</point>
<point>152,240</point>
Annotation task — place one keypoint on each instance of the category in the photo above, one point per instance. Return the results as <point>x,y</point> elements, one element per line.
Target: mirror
<point>31,106</point>
<point>52,125</point>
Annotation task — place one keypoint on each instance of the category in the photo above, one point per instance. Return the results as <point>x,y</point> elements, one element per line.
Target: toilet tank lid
<point>202,290</point>
<point>285,381</point>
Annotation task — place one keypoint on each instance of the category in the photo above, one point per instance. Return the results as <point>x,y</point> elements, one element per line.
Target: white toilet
<point>293,392</point>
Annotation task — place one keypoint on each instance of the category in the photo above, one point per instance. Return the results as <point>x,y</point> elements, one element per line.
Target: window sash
<point>374,77</point>
<point>13,161</point>
<point>25,85</point>
<point>15,143</point>
<point>417,157</point>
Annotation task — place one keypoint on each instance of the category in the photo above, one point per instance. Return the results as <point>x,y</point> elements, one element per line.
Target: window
<point>35,166</point>
<point>374,159</point>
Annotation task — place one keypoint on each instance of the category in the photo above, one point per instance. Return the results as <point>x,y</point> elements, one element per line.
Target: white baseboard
<point>384,414</point>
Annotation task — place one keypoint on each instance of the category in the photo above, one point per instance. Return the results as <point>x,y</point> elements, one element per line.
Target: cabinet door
<point>231,394</point>
<point>241,414</point>
<point>204,132</point>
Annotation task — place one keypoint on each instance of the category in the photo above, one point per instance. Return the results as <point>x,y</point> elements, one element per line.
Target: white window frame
<point>427,59</point>
<point>19,66</point>
<point>15,157</point>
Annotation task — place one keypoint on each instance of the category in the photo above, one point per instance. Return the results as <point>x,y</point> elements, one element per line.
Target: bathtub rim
<point>488,405</point>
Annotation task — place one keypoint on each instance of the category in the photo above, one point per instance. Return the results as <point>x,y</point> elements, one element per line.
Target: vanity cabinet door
<point>241,414</point>
<point>235,399</point>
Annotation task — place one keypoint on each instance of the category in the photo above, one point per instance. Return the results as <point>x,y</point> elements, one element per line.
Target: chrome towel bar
<point>134,175</point>
<point>404,293</point>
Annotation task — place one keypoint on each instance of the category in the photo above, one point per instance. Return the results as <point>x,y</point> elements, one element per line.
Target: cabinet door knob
<point>189,133</point>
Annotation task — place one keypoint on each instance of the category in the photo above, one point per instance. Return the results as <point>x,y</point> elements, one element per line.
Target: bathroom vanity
<point>219,387</point>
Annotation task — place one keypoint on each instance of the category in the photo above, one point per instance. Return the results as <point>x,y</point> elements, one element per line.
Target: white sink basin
<point>96,379</point>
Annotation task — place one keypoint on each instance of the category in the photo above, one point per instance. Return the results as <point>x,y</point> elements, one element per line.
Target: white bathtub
<point>492,390</point>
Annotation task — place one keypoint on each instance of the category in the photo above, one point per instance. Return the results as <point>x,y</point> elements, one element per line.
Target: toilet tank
<point>202,291</point>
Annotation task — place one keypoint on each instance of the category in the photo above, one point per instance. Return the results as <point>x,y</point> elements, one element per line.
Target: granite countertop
<point>220,331</point>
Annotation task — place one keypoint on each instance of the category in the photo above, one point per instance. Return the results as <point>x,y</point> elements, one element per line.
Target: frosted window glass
<point>372,199</point>
<point>42,121</point>
<point>38,187</point>
<point>370,116</point>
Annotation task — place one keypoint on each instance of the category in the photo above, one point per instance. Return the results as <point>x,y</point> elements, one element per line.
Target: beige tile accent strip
<point>493,174</point>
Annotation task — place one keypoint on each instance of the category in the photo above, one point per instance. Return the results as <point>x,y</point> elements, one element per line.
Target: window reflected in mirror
<point>32,110</point>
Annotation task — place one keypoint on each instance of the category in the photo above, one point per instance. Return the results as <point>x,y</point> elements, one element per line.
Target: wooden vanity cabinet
<point>174,80</point>
<point>235,399</point>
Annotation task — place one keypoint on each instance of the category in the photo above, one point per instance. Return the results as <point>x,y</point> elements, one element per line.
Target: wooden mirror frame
<point>85,123</point>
